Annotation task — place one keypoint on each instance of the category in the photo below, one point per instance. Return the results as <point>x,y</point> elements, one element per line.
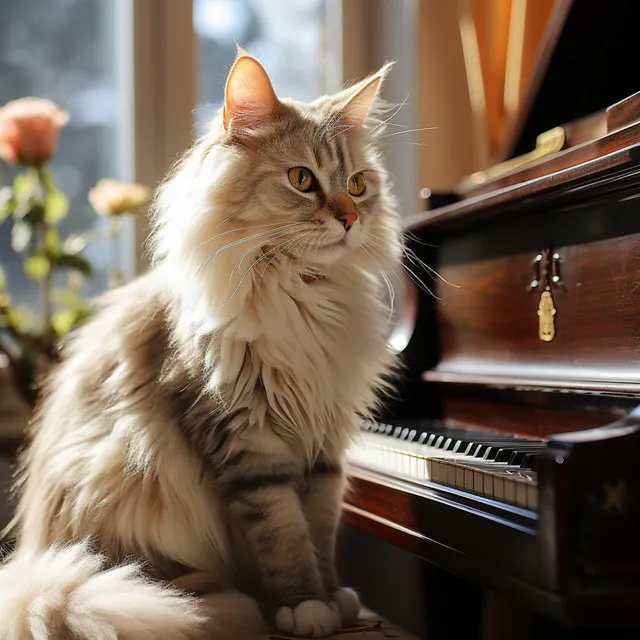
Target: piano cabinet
<point>509,459</point>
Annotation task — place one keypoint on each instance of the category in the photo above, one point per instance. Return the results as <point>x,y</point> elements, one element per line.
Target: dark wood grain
<point>534,422</point>
<point>487,205</point>
<point>623,113</point>
<point>490,324</point>
<point>577,158</point>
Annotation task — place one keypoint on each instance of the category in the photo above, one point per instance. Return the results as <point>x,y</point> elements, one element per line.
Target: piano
<point>507,469</point>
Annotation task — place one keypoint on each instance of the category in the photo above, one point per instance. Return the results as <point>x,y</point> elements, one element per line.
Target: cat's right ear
<point>249,97</point>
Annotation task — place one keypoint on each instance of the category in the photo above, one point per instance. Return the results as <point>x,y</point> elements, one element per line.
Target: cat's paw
<point>309,619</point>
<point>348,604</point>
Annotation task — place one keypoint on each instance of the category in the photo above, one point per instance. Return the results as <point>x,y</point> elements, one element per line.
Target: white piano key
<point>521,494</point>
<point>532,497</point>
<point>509,490</point>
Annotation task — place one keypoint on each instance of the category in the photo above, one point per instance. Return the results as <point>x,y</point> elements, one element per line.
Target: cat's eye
<point>301,178</point>
<point>357,185</point>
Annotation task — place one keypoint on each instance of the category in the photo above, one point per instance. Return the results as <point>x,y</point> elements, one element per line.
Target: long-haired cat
<point>185,470</point>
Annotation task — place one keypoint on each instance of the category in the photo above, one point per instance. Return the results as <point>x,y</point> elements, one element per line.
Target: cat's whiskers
<point>421,263</point>
<point>260,246</point>
<point>393,115</point>
<point>415,277</point>
<point>390,289</point>
<point>399,133</point>
<point>291,248</point>
<point>331,123</point>
<point>248,271</point>
<point>224,233</point>
<point>414,238</point>
<point>241,241</point>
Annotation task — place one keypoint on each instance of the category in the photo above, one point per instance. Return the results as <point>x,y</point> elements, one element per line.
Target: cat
<point>185,470</point>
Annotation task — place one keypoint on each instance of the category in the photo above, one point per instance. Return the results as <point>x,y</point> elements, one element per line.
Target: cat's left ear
<point>248,96</point>
<point>362,98</point>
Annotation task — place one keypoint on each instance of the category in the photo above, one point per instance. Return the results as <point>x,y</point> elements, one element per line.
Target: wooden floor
<point>370,627</point>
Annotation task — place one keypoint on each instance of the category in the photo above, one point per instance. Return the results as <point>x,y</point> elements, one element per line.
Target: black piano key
<point>517,457</point>
<point>457,447</point>
<point>388,429</point>
<point>397,431</point>
<point>480,450</point>
<point>503,455</point>
<point>423,436</point>
<point>412,435</point>
<point>528,461</point>
<point>448,444</point>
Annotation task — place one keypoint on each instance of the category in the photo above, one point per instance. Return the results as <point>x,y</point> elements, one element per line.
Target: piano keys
<point>495,466</point>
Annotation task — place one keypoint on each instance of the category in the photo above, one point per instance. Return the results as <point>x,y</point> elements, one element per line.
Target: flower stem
<point>47,283</point>
<point>116,276</point>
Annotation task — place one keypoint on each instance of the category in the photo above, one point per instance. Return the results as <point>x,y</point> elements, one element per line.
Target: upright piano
<point>508,466</point>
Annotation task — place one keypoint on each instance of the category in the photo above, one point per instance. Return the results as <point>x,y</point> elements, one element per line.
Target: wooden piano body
<point>530,346</point>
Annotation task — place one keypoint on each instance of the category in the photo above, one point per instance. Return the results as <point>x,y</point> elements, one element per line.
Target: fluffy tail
<point>65,593</point>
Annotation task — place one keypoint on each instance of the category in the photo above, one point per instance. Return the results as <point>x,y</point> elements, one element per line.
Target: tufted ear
<point>248,95</point>
<point>361,98</point>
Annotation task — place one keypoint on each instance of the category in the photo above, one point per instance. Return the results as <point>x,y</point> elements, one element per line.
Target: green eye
<point>301,178</point>
<point>357,185</point>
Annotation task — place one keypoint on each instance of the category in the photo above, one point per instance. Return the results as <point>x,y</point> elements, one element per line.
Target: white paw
<point>310,619</point>
<point>348,604</point>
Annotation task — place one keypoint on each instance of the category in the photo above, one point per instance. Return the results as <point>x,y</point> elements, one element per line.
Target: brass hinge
<point>547,143</point>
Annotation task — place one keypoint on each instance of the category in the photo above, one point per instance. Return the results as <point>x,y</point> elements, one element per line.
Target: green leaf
<point>52,242</point>
<point>63,321</point>
<point>3,280</point>
<point>65,297</point>
<point>37,267</point>
<point>24,184</point>
<point>55,207</point>
<point>21,318</point>
<point>20,236</point>
<point>77,262</point>
<point>7,203</point>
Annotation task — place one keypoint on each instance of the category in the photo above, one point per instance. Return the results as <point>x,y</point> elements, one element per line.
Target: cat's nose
<point>347,220</point>
<point>344,210</point>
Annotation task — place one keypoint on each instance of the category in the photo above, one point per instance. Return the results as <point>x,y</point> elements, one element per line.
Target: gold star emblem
<point>614,496</point>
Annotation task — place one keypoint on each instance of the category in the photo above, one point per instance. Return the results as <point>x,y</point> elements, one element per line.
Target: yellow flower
<point>112,198</point>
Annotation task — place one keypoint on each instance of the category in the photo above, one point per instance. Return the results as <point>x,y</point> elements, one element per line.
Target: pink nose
<point>344,210</point>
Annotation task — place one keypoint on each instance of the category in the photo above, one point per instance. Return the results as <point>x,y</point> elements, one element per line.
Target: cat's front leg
<point>270,512</point>
<point>323,506</point>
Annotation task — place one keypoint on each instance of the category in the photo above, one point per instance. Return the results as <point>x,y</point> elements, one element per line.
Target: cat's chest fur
<point>310,359</point>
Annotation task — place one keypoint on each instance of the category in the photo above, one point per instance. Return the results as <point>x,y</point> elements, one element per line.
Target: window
<point>71,52</point>
<point>295,65</point>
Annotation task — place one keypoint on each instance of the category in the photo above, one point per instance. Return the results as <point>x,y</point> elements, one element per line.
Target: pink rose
<point>29,129</point>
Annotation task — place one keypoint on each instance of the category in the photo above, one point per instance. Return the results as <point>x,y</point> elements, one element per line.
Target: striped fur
<point>198,422</point>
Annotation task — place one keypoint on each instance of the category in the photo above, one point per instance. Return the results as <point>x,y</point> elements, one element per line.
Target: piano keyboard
<point>497,466</point>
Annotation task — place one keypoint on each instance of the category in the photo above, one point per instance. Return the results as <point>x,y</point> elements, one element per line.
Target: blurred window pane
<point>71,52</point>
<point>287,36</point>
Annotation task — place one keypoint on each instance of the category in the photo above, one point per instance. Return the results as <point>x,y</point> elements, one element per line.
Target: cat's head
<point>279,186</point>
